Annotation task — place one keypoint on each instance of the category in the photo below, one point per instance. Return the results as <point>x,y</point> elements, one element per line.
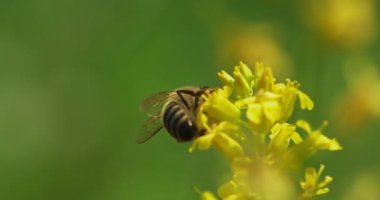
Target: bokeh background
<point>72,75</point>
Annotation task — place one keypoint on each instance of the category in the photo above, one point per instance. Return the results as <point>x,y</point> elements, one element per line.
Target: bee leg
<point>180,94</point>
<point>196,94</point>
<point>202,133</point>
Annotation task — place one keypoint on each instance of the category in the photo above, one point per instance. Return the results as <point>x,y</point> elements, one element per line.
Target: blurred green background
<point>72,75</point>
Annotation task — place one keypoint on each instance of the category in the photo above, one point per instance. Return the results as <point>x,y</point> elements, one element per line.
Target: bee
<point>177,113</point>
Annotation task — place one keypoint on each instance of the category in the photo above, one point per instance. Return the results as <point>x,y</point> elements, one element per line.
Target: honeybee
<point>177,113</point>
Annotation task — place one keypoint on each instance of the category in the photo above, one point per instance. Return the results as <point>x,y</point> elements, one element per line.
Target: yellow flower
<point>218,107</point>
<point>272,102</point>
<point>280,138</point>
<point>242,81</point>
<point>218,116</point>
<point>314,141</point>
<point>312,186</point>
<point>263,110</point>
<point>246,120</point>
<point>253,179</point>
<point>222,137</point>
<point>289,93</point>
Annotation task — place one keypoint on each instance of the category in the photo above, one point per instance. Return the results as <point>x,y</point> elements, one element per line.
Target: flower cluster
<point>246,120</point>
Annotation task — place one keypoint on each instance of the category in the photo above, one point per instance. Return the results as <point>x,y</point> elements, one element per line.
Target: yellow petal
<point>305,101</point>
<point>228,146</point>
<point>220,108</point>
<point>323,142</point>
<point>320,170</point>
<point>272,110</point>
<point>202,143</point>
<point>255,113</point>
<point>202,120</point>
<point>280,137</point>
<point>227,189</point>
<point>227,91</point>
<point>264,78</point>
<point>296,138</point>
<point>246,71</point>
<point>276,129</point>
<point>304,125</point>
<point>279,88</point>
<point>231,129</point>
<point>243,103</point>
<point>310,178</point>
<point>322,191</point>
<point>325,182</point>
<point>226,78</point>
<point>289,97</point>
<point>206,195</point>
<point>242,86</point>
<point>234,197</point>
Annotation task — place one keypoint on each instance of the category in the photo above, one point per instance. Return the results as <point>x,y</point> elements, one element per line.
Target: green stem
<point>262,141</point>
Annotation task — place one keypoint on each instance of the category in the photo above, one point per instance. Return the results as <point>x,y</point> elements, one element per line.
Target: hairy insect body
<point>179,122</point>
<point>178,110</point>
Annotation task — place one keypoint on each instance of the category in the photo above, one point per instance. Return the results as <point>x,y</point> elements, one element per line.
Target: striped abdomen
<point>179,122</point>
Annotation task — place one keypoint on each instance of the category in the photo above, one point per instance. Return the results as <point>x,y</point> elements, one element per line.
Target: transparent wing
<point>156,100</point>
<point>150,127</point>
